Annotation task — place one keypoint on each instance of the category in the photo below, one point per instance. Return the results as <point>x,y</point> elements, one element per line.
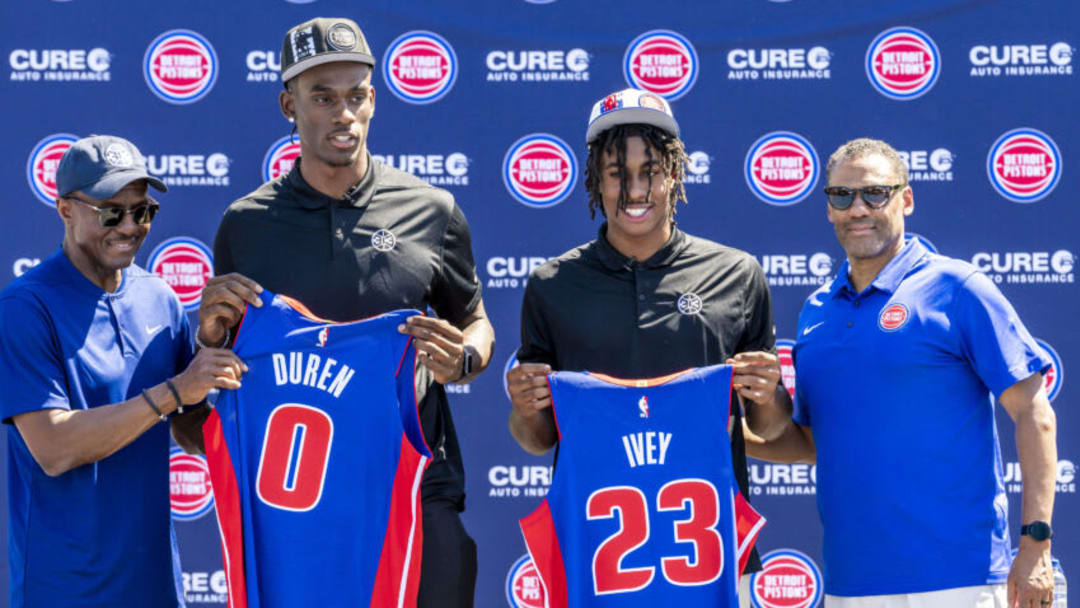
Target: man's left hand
<point>439,345</point>
<point>1031,579</point>
<point>755,376</point>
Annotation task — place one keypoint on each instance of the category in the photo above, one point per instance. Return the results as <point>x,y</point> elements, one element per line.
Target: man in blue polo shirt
<point>897,363</point>
<point>94,353</point>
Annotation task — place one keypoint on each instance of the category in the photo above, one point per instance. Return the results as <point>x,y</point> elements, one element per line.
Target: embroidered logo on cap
<point>341,37</point>
<point>118,155</point>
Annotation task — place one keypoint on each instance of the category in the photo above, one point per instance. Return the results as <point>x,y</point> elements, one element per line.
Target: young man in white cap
<point>645,299</point>
<point>96,352</point>
<point>352,238</point>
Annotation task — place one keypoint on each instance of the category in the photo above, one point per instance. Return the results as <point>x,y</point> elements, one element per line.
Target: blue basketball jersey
<point>316,462</point>
<point>644,509</point>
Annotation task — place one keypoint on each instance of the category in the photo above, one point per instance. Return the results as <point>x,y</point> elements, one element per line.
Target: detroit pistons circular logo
<point>540,170</point>
<point>420,67</point>
<point>280,158</point>
<point>893,317</point>
<point>782,168</point>
<point>186,265</point>
<point>1024,165</point>
<point>180,66</point>
<point>190,494</point>
<point>784,350</point>
<point>903,63</point>
<point>42,164</point>
<point>788,579</point>
<point>523,586</point>
<point>661,62</point>
<point>1055,375</point>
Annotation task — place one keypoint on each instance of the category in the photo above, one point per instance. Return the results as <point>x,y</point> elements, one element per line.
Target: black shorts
<point>448,567</point>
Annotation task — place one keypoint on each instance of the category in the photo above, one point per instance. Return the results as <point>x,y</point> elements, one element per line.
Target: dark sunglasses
<point>875,197</point>
<point>111,217</point>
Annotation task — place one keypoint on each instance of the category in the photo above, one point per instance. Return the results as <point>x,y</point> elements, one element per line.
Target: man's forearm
<point>1036,432</point>
<point>186,429</point>
<point>478,334</point>
<point>770,420</point>
<point>537,435</point>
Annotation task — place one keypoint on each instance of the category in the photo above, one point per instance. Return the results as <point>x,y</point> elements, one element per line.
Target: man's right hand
<point>211,368</point>
<point>223,302</point>
<point>531,420</point>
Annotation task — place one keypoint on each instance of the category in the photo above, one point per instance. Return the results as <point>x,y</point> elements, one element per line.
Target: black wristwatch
<point>1037,530</point>
<point>469,356</point>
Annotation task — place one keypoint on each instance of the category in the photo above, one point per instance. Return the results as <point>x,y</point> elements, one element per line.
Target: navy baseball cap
<point>100,166</point>
<point>323,40</point>
<point>630,106</point>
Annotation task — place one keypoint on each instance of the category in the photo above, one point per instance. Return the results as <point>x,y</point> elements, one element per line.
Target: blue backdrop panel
<point>489,99</point>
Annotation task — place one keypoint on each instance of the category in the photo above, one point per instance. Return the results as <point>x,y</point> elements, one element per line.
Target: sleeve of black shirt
<point>456,292</point>
<point>223,261</point>
<point>760,333</point>
<point>536,344</point>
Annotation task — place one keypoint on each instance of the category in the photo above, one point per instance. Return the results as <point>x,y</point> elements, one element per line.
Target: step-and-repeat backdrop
<point>489,99</point>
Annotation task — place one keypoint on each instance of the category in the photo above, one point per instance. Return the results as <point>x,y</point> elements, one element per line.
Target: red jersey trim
<point>227,498</point>
<point>538,528</point>
<point>397,580</point>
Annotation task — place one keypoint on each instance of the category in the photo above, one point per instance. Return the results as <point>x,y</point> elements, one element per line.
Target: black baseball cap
<point>100,166</point>
<point>323,40</point>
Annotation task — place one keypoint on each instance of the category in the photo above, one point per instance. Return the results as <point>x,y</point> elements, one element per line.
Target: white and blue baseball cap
<point>100,166</point>
<point>630,106</point>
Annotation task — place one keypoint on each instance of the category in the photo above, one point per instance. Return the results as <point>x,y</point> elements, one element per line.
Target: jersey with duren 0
<point>316,462</point>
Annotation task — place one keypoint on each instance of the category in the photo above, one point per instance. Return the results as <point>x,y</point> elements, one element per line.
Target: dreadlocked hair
<point>673,162</point>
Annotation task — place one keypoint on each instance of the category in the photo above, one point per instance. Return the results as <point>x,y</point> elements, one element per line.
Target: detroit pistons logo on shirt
<point>893,317</point>
<point>784,349</point>
<point>280,158</point>
<point>1024,165</point>
<point>420,67</point>
<point>689,304</point>
<point>903,63</point>
<point>190,494</point>
<point>1055,375</point>
<point>42,164</point>
<point>186,265</point>
<point>180,66</point>
<point>781,168</point>
<point>540,170</point>
<point>788,579</point>
<point>661,62</point>
<point>524,589</point>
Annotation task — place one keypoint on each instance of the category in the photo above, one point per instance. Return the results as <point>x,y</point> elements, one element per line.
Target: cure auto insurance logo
<point>180,66</point>
<point>661,62</point>
<point>903,63</point>
<point>420,67</point>
<point>540,170</point>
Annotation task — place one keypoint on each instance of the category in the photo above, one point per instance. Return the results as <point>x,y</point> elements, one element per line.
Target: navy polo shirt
<point>101,534</point>
<point>897,383</point>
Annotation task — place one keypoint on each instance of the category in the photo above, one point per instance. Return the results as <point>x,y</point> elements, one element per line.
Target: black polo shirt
<point>693,303</point>
<point>392,242</point>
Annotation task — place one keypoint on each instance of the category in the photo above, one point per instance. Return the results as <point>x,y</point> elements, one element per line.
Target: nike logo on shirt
<point>812,328</point>
<point>153,330</point>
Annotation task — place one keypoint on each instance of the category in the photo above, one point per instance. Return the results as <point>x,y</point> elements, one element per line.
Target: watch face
<point>1038,530</point>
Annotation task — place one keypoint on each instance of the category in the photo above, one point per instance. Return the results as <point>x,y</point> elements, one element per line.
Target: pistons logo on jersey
<point>661,62</point>
<point>42,164</point>
<point>788,579</point>
<point>524,589</point>
<point>1024,165</point>
<point>781,168</point>
<point>420,67</point>
<point>903,63</point>
<point>180,66</point>
<point>1055,375</point>
<point>190,493</point>
<point>186,264</point>
<point>280,158</point>
<point>540,170</point>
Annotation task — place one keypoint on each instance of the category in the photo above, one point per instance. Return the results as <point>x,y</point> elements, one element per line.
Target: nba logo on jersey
<point>324,333</point>
<point>643,405</point>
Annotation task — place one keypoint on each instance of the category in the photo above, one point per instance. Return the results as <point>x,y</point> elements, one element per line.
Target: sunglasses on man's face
<point>875,197</point>
<point>111,217</point>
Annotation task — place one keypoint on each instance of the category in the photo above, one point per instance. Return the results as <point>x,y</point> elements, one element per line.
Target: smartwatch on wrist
<point>1037,530</point>
<point>469,358</point>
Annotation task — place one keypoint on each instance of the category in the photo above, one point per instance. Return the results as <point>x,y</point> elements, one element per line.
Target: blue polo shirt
<point>897,384</point>
<point>101,534</point>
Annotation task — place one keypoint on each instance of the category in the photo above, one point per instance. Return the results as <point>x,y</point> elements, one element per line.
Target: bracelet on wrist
<point>199,343</point>
<point>153,405</point>
<point>176,395</point>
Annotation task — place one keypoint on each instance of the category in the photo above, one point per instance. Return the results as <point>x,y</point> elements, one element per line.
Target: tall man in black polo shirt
<point>352,238</point>
<point>645,299</point>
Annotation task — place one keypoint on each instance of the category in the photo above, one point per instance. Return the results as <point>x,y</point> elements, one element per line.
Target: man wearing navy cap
<point>351,238</point>
<point>96,352</point>
<point>898,363</point>
<point>645,299</point>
